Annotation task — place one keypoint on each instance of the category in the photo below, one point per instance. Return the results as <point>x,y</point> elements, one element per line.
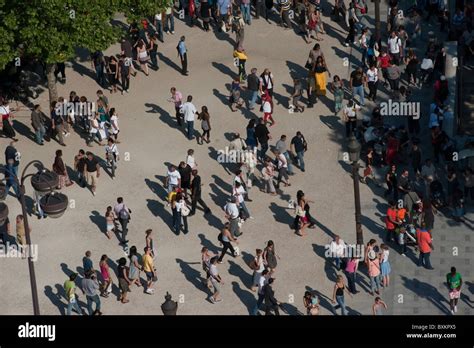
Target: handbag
<point>309,64</point>
<point>252,264</point>
<point>185,210</point>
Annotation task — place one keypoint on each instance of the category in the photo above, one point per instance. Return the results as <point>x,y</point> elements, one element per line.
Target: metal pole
<point>377,19</point>
<point>355,176</point>
<point>31,266</point>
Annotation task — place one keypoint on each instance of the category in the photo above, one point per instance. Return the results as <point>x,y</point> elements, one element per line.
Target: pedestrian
<point>263,135</point>
<point>205,119</point>
<point>232,214</point>
<point>114,129</point>
<point>364,45</point>
<point>126,54</point>
<point>60,169</point>
<point>238,27</point>
<point>87,264</point>
<point>372,79</point>
<point>143,57</point>
<point>125,66</point>
<point>149,270</point>
<point>236,101</point>
<point>183,55</point>
<point>181,212</point>
<point>122,212</point>
<point>152,49</point>
<point>267,82</point>
<point>296,95</point>
<point>90,287</point>
<point>79,167</point>
<point>282,166</point>
<point>391,221</point>
<point>110,222</point>
<point>206,257</point>
<point>454,282</point>
<point>37,122</point>
<point>298,148</point>
<point>337,89</point>
<point>113,73</point>
<point>349,115</point>
<point>271,303</point>
<point>239,192</point>
<point>468,179</point>
<point>173,179</point>
<point>124,281</point>
<point>92,171</point>
<point>149,241</point>
<point>262,281</point>
<point>270,258</point>
<point>425,246</point>
<point>241,56</point>
<point>301,218</point>
<point>98,64</point>
<point>206,14</point>
<point>267,108</point>
<point>320,70</point>
<point>374,272</point>
<point>393,76</point>
<point>258,266</point>
<point>338,294</point>
<point>57,124</point>
<point>338,249</point>
<point>5,232</point>
<point>379,306</point>
<point>177,99</point>
<point>196,194</point>
<point>185,171</point>
<point>385,268</point>
<point>282,147</point>
<point>225,237</point>
<point>106,288</point>
<point>251,140</point>
<point>391,179</point>
<point>356,83</point>
<point>189,112</point>
<point>216,280</point>
<point>7,120</point>
<point>351,273</point>
<point>254,87</point>
<point>395,47</point>
<point>134,268</point>
<point>70,290</point>
<point>311,303</point>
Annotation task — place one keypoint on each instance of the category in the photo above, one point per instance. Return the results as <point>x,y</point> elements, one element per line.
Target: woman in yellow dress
<point>320,76</point>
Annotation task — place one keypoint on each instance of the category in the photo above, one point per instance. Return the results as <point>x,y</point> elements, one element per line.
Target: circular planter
<point>44,181</point>
<point>54,204</point>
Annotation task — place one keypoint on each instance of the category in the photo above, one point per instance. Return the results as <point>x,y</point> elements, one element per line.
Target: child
<point>110,219</point>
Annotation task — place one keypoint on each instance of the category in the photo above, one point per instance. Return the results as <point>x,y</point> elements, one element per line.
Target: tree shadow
<point>426,291</point>
<point>245,296</point>
<point>193,276</point>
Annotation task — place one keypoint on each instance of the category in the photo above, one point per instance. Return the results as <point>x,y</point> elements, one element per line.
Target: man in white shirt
<point>282,169</point>
<point>338,250</point>
<point>189,112</point>
<point>240,192</point>
<point>372,79</point>
<point>173,178</point>
<point>262,281</point>
<point>232,214</point>
<point>350,116</point>
<point>395,47</point>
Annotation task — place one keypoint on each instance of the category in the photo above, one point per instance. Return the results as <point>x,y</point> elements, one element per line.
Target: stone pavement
<point>149,136</point>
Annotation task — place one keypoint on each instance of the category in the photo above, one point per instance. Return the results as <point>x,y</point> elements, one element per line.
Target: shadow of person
<point>56,298</point>
<point>290,309</point>
<point>193,276</point>
<point>428,292</point>
<point>281,214</point>
<point>238,271</point>
<point>98,220</point>
<point>169,62</point>
<point>207,243</point>
<point>24,130</point>
<point>245,296</point>
<point>156,188</point>
<point>225,70</point>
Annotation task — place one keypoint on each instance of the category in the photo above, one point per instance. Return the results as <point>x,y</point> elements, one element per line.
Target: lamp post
<point>169,307</point>
<point>354,155</point>
<point>43,181</point>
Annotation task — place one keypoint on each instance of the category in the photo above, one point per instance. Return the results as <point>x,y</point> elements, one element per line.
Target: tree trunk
<point>53,92</point>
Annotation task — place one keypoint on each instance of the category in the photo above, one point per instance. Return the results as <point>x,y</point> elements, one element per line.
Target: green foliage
<point>136,10</point>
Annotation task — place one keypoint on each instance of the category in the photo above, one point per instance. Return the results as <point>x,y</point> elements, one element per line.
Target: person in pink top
<point>351,273</point>
<point>106,288</point>
<point>177,99</point>
<point>374,272</point>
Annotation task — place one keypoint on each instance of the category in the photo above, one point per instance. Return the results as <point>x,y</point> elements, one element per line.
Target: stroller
<point>437,197</point>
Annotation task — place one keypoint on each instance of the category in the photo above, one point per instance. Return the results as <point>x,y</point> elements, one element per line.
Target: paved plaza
<point>150,140</point>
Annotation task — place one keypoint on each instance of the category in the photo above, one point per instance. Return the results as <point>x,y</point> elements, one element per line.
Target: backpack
<point>219,238</point>
<point>236,24</point>
<point>124,214</point>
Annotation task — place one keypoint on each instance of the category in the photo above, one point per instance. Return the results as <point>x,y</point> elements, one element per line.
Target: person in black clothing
<point>60,69</point>
<point>125,65</point>
<point>253,86</point>
<point>57,124</point>
<point>271,303</point>
<point>196,194</point>
<point>262,134</point>
<point>79,166</point>
<point>392,183</point>
<point>98,64</point>
<point>185,171</point>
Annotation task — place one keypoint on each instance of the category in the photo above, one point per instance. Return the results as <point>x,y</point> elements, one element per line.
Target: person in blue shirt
<point>182,52</point>
<point>223,14</point>
<point>87,264</point>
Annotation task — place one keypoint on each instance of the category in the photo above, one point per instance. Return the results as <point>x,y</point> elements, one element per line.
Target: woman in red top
<point>383,62</point>
<point>392,148</point>
<point>7,122</point>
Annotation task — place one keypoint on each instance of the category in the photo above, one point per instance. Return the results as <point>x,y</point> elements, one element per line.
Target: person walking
<point>185,171</point>
<point>70,290</point>
<point>337,89</point>
<point>205,119</point>
<point>270,258</point>
<point>152,49</point>
<point>134,266</point>
<point>232,214</point>
<point>173,179</point>
<point>37,122</point>
<point>196,194</point>
<point>206,257</point>
<point>271,303</point>
<point>338,250</point>
<point>143,57</point>
<point>177,99</point>
<point>92,171</point>
<point>253,86</point>
<point>374,272</point>
<point>122,212</point>
<point>110,222</point>
<point>385,268</point>
<point>311,303</point>
<point>241,56</point>
<point>338,294</point>
<point>149,241</point>
<point>263,135</point>
<point>112,73</point>
<point>267,82</point>
<point>189,112</point>
<point>454,282</point>
<point>372,79</point>
<point>262,281</point>
<point>282,166</point>
<point>298,148</point>
<point>149,269</point>
<point>356,84</point>
<point>349,115</point>
<point>87,264</point>
<point>125,66</point>
<point>79,167</point>
<point>216,280</point>
<point>183,55</point>
<point>57,124</point>
<point>98,64</point>
<point>425,246</point>
<point>379,306</point>
<point>90,287</point>
<point>351,273</point>
<point>282,147</point>
<point>238,27</point>
<point>106,287</point>
<point>258,267</point>
<point>124,281</point>
<point>225,237</point>
<point>182,212</point>
<point>60,169</point>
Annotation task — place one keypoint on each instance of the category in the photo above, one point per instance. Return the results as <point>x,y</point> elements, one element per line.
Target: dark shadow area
<point>157,188</point>
<point>24,130</point>
<point>281,214</point>
<point>159,210</point>
<point>245,296</point>
<point>428,292</point>
<point>56,298</point>
<point>169,62</point>
<point>207,243</point>
<point>329,267</point>
<point>225,70</point>
<point>98,220</point>
<point>193,276</point>
<point>236,270</point>
<point>222,97</point>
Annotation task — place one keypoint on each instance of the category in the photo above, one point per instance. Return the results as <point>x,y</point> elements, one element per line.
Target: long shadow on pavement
<point>329,267</point>
<point>193,276</point>
<point>55,298</point>
<point>245,296</point>
<point>426,291</point>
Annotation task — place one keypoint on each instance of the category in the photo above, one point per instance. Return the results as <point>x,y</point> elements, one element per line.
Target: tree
<point>136,10</point>
<point>8,26</point>
<point>52,30</point>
